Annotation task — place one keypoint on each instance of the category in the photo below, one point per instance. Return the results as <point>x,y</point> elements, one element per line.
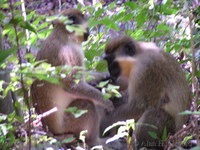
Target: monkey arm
<point>83,90</point>
<point>119,101</point>
<point>122,82</point>
<point>98,77</point>
<point>121,113</point>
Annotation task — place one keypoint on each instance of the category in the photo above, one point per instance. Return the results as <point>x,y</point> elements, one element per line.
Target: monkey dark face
<point>77,18</point>
<point>114,70</point>
<point>118,48</point>
<point>113,67</point>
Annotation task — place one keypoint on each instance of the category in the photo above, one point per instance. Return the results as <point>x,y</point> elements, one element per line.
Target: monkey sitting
<point>63,47</point>
<point>157,89</point>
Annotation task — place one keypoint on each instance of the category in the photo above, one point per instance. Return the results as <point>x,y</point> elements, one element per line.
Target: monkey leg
<point>121,113</point>
<point>88,121</point>
<point>154,121</point>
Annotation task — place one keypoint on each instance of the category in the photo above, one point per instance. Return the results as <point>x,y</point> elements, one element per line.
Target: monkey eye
<point>73,19</point>
<point>130,49</point>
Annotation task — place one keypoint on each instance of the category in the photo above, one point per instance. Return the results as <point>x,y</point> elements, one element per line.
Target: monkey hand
<point>93,83</point>
<point>108,105</point>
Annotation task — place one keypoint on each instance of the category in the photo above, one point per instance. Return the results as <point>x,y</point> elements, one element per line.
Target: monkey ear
<point>126,64</point>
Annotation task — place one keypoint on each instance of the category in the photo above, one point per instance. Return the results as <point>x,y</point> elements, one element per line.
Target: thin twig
<point>26,31</point>
<point>25,93</point>
<point>60,3</point>
<point>38,118</point>
<point>43,115</point>
<point>194,80</point>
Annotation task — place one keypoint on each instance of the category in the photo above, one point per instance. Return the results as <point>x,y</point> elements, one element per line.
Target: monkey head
<point>119,54</point>
<point>75,18</point>
<point>123,46</point>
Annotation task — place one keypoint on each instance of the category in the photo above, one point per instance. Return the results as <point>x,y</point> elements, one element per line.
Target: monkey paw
<point>109,105</point>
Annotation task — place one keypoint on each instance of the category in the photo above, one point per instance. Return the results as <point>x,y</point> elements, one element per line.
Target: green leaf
<point>4,5</point>
<point>185,61</point>
<point>186,139</point>
<point>93,23</point>
<point>13,59</point>
<point>90,54</point>
<point>30,15</point>
<point>16,20</point>
<point>75,111</point>
<point>187,112</point>
<point>112,87</point>
<point>137,34</point>
<point>103,84</point>
<point>79,6</point>
<point>169,11</point>
<point>5,53</point>
<point>98,5</point>
<point>99,12</point>
<point>128,17</point>
<point>132,5</point>
<point>157,34</point>
<point>90,9</point>
<point>141,18</point>
<point>36,22</point>
<point>101,66</point>
<point>119,16</point>
<point>33,40</point>
<point>106,96</point>
<point>68,140</point>
<point>163,27</point>
<point>109,23</point>
<point>21,35</point>
<point>29,56</point>
<point>17,4</point>
<point>28,26</point>
<point>2,16</point>
<point>43,34</point>
<point>17,104</point>
<point>44,77</point>
<point>51,18</point>
<point>153,135</point>
<point>164,134</point>
<point>79,113</point>
<point>43,25</point>
<point>112,5</point>
<point>198,73</point>
<point>75,28</point>
<point>71,109</point>
<point>166,8</point>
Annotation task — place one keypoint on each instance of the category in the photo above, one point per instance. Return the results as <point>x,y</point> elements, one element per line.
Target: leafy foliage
<point>123,131</point>
<point>76,112</point>
<point>164,22</point>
